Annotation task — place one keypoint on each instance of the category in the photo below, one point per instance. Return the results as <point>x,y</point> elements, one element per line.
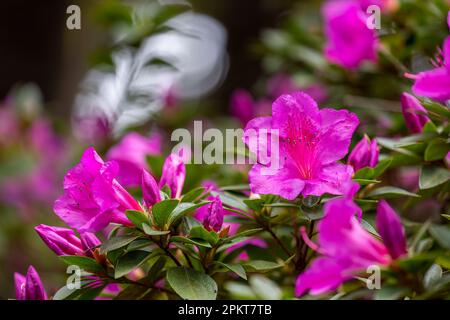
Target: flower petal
<point>337,130</point>
<point>391,230</point>
<point>282,182</point>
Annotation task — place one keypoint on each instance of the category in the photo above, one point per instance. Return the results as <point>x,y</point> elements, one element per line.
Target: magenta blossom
<point>92,197</point>
<point>130,153</point>
<point>214,217</point>
<point>89,242</point>
<point>414,113</point>
<point>349,40</point>
<point>150,189</point>
<point>61,241</point>
<point>173,175</point>
<point>311,141</point>
<point>346,248</point>
<point>435,83</point>
<point>29,287</point>
<point>364,154</point>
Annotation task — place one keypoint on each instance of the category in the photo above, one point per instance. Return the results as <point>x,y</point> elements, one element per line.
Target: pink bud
<point>61,241</point>
<point>214,217</point>
<point>391,230</point>
<point>364,154</point>
<point>173,175</point>
<point>150,189</point>
<point>414,113</point>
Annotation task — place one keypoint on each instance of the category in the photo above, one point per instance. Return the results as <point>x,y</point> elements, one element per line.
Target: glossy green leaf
<point>137,218</point>
<point>436,150</point>
<point>191,284</point>
<point>117,242</point>
<point>162,210</point>
<point>130,261</point>
<point>433,176</point>
<point>234,267</point>
<point>151,232</point>
<point>85,263</point>
<point>390,192</point>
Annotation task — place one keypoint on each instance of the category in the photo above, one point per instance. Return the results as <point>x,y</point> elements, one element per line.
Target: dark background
<point>37,47</point>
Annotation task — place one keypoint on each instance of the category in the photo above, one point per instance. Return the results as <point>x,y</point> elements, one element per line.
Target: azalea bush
<point>347,196</point>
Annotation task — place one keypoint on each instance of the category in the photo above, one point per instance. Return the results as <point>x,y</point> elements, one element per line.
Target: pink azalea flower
<point>29,287</point>
<point>61,241</point>
<point>92,197</point>
<point>130,153</point>
<point>346,248</point>
<point>311,141</point>
<point>150,189</point>
<point>414,113</point>
<point>173,174</point>
<point>349,40</point>
<point>214,217</point>
<point>435,83</point>
<point>364,154</point>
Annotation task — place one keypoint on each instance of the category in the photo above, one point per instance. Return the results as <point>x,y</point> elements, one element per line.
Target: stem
<point>171,256</point>
<point>280,243</point>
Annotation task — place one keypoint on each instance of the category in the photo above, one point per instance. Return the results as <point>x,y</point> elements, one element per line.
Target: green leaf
<point>364,174</point>
<point>390,192</point>
<point>117,242</point>
<point>183,209</point>
<point>137,217</point>
<point>85,263</point>
<point>130,261</point>
<point>265,288</point>
<point>260,266</point>
<point>151,232</point>
<point>390,292</point>
<point>231,201</point>
<point>311,201</point>
<point>432,276</point>
<point>65,293</point>
<point>243,234</point>
<point>370,228</point>
<point>197,242</point>
<point>441,234</point>
<point>193,194</point>
<point>437,149</point>
<point>191,284</point>
<point>432,176</point>
<point>234,267</point>
<point>364,182</point>
<point>199,232</point>
<point>155,163</point>
<point>162,210</point>
<point>132,292</point>
<point>254,204</point>
<point>437,108</point>
<point>381,167</point>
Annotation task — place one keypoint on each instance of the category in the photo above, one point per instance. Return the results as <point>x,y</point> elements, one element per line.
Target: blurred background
<point>55,81</point>
<point>152,66</point>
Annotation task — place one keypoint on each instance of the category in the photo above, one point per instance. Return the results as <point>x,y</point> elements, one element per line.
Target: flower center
<point>301,141</point>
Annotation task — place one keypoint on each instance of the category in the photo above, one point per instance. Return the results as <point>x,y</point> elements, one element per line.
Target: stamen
<point>307,240</point>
